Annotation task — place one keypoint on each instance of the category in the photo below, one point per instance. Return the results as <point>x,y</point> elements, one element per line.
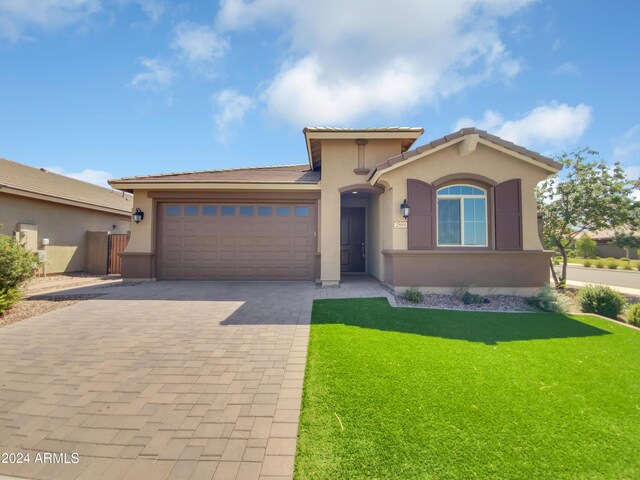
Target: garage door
<point>236,242</point>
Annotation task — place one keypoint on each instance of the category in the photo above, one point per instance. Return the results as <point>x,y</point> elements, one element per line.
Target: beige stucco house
<point>471,221</point>
<point>51,213</point>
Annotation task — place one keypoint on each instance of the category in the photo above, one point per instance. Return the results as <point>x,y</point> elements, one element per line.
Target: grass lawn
<point>412,393</point>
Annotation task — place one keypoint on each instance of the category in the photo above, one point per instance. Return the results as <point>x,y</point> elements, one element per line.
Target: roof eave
<point>64,201</point>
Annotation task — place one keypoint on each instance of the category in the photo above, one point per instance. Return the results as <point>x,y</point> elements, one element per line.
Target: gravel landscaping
<point>496,303</point>
<point>38,305</point>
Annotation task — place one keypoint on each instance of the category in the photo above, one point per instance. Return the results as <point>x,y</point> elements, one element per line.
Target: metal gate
<point>117,244</point>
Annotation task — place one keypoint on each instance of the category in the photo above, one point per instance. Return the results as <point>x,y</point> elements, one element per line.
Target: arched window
<point>462,216</point>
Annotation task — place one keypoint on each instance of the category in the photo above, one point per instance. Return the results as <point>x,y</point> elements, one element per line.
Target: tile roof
<point>24,178</point>
<point>296,174</point>
<point>457,135</point>
<point>376,130</point>
<point>609,233</point>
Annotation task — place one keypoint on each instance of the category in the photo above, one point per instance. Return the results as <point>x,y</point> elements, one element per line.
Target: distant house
<point>52,213</point>
<point>604,248</point>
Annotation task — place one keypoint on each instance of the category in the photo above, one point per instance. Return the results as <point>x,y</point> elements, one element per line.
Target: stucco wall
<point>65,226</point>
<point>339,159</point>
<point>486,162</point>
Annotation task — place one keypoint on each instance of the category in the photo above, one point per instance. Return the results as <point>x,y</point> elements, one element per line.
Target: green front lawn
<point>412,393</point>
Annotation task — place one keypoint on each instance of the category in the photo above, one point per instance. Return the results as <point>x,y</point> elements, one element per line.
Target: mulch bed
<point>40,304</point>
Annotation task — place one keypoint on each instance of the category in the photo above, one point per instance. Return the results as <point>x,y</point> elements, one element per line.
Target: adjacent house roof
<point>458,136</point>
<point>19,179</point>
<point>285,174</point>
<point>609,233</point>
<point>315,135</point>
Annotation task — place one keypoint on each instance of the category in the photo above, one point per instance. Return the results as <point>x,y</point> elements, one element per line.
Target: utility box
<point>27,235</point>
<point>42,256</point>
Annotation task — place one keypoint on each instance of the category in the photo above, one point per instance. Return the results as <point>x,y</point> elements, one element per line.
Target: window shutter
<point>420,223</point>
<point>508,208</point>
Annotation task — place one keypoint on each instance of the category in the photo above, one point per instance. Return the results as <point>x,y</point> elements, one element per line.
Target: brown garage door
<point>236,242</point>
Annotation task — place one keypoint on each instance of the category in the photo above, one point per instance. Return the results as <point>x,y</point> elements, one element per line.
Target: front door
<point>352,251</point>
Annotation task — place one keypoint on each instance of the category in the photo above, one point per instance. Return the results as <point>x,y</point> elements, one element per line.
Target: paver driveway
<point>162,380</point>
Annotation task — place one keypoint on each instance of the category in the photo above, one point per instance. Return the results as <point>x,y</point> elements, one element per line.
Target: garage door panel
<point>261,241</point>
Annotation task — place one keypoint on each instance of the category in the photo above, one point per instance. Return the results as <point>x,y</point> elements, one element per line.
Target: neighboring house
<point>472,219</point>
<point>52,213</point>
<point>604,249</point>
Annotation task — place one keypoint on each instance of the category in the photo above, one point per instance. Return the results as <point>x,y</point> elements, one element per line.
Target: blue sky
<point>107,88</point>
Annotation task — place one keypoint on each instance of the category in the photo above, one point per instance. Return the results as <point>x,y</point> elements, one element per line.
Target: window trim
<point>461,197</point>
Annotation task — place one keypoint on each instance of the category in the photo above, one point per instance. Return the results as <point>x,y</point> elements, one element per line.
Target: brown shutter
<point>421,230</point>
<point>508,206</point>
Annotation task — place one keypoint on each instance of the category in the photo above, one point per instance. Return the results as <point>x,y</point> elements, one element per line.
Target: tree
<point>587,194</point>
<point>586,247</point>
<point>626,241</point>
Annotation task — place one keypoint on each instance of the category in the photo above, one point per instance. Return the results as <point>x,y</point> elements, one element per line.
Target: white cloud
<point>231,106</point>
<point>199,45</point>
<point>152,8</point>
<point>19,16</point>
<point>157,78</point>
<point>349,59</point>
<point>628,146</point>
<point>97,177</point>
<point>554,124</point>
<point>567,68</point>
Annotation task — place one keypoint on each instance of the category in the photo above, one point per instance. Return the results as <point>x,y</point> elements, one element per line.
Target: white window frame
<point>461,197</point>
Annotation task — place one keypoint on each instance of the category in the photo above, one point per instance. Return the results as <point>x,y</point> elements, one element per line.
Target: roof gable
<point>315,135</point>
<point>473,136</point>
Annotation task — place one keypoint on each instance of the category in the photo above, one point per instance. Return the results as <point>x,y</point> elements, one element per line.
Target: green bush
<point>633,314</point>
<point>601,300</point>
<point>557,260</point>
<point>627,266</point>
<point>472,299</point>
<point>612,263</point>
<point>413,295</point>
<point>587,263</point>
<point>16,266</point>
<point>586,247</point>
<point>8,298</point>
<point>599,264</point>
<point>549,299</point>
<point>572,254</point>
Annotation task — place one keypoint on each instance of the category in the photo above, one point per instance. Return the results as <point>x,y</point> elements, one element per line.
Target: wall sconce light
<point>404,208</point>
<point>138,215</point>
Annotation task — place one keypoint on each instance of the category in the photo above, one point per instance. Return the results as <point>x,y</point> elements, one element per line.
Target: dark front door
<point>352,239</point>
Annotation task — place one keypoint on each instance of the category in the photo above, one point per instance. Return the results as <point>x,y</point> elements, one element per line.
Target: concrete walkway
<point>167,380</point>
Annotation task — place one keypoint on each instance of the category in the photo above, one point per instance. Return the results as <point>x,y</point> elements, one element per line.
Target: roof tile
<point>43,182</point>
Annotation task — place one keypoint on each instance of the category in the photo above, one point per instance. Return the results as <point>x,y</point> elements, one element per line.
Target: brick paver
<point>162,380</point>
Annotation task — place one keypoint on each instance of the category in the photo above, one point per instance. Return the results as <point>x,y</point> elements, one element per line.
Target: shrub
<point>16,266</point>
<point>549,299</point>
<point>556,260</point>
<point>633,314</point>
<point>472,299</point>
<point>627,266</point>
<point>612,263</point>
<point>571,254</point>
<point>413,295</point>
<point>587,263</point>
<point>8,298</point>
<point>586,247</point>
<point>601,300</point>
<point>599,264</point>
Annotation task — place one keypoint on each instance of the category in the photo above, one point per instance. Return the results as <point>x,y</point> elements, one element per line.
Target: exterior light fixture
<point>138,215</point>
<point>404,208</point>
